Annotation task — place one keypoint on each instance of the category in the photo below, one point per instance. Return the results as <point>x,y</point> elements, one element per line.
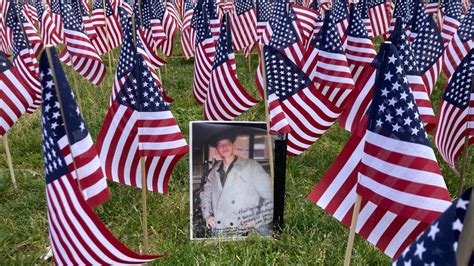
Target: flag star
<point>396,127</point>
<point>410,105</point>
<point>388,76</point>
<point>54,125</point>
<point>399,69</point>
<point>55,115</point>
<point>48,96</point>
<point>407,263</point>
<point>457,225</point>
<point>49,84</point>
<point>420,249</point>
<point>77,110</point>
<point>392,59</point>
<point>455,246</point>
<point>434,229</point>
<point>414,131</point>
<point>462,204</point>
<point>379,123</point>
<point>382,108</point>
<point>388,118</point>
<point>403,95</point>
<point>396,86</point>
<point>82,126</point>
<point>384,92</point>
<point>392,102</point>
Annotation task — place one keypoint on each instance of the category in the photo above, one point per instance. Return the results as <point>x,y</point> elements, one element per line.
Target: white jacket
<point>239,203</point>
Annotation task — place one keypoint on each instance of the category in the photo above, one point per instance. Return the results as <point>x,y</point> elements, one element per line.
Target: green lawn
<point>310,235</point>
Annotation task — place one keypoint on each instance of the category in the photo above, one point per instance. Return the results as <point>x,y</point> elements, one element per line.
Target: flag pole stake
<point>350,241</point>
<point>267,118</point>
<point>144,208</point>
<point>466,238</point>
<point>250,63</point>
<point>9,159</point>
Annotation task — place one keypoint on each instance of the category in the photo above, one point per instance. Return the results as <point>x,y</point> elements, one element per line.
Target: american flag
<point>24,61</point>
<point>86,18</point>
<point>431,6</point>
<point>398,170</point>
<point>204,12</point>
<point>466,5</point>
<point>79,51</point>
<point>226,98</point>
<point>325,4</point>
<point>188,35</point>
<point>428,50</point>
<point>56,14</point>
<point>402,10</point>
<point>318,21</point>
<point>340,15</point>
<point>308,21</point>
<point>264,11</point>
<point>139,124</point>
<point>168,15</point>
<point>49,32</point>
<point>456,112</point>
<point>109,34</point>
<point>15,16</point>
<point>29,11</point>
<point>439,242</point>
<point>379,17</point>
<point>417,86</point>
<point>360,53</point>
<point>416,18</point>
<point>4,45</point>
<point>244,24</point>
<point>15,98</point>
<point>363,8</point>
<point>390,230</point>
<point>76,233</point>
<point>451,21</point>
<point>151,23</point>
<point>70,133</point>
<point>460,45</point>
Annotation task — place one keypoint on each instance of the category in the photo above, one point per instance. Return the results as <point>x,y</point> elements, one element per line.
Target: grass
<point>310,235</point>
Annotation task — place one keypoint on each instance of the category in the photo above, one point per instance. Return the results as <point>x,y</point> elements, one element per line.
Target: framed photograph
<point>232,192</point>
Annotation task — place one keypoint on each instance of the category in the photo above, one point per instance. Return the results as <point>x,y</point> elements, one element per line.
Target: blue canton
<point>393,112</point>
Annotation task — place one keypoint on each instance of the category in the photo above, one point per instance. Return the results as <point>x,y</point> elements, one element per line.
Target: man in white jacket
<point>238,194</point>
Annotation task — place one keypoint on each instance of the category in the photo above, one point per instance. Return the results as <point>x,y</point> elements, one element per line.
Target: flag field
<point>311,236</point>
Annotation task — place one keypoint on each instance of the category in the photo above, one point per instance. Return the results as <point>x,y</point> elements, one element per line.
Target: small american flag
<point>363,8</point>
<point>402,10</point>
<point>226,98</point>
<point>389,230</point>
<point>360,53</point>
<point>400,40</point>
<point>428,50</point>
<point>76,233</point>
<point>416,18</point>
<point>399,171</point>
<point>87,25</point>
<point>379,17</point>
<point>79,51</point>
<point>151,23</point>
<point>70,133</point>
<point>171,23</point>
<point>456,112</point>
<point>460,45</point>
<point>264,11</point>
<point>244,24</point>
<point>188,34</point>
<point>49,32</point>
<point>14,15</point>
<point>56,14</point>
<point>24,61</point>
<point>308,20</point>
<point>15,98</point>
<point>439,242</point>
<point>29,11</point>
<point>340,15</point>
<point>139,124</point>
<point>431,6</point>
<point>109,34</point>
<point>204,12</point>
<point>452,20</point>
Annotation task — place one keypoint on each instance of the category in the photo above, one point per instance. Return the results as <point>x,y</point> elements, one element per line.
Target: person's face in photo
<point>225,148</point>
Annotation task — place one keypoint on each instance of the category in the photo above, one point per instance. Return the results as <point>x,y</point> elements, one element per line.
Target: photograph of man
<point>237,196</point>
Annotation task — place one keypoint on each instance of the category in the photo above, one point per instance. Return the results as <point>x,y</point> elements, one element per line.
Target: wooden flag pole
<point>462,175</point>
<point>144,209</point>
<point>142,159</point>
<point>9,159</point>
<point>108,37</point>
<point>466,239</point>
<point>350,241</point>
<point>250,63</point>
<point>267,117</point>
